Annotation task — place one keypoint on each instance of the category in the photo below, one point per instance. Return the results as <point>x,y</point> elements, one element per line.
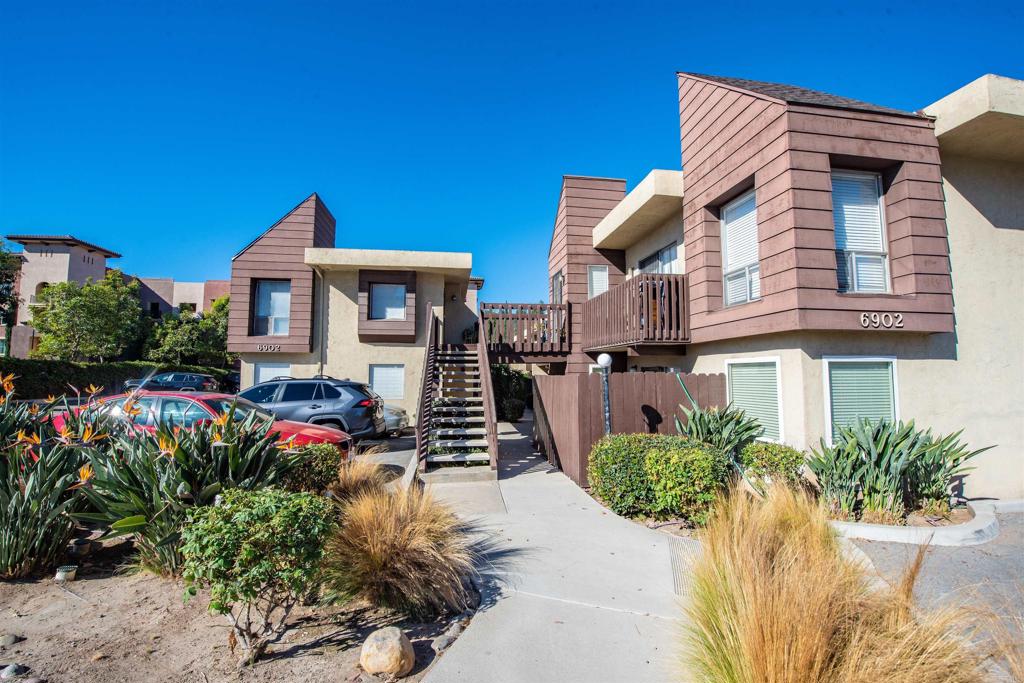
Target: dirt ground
<point>109,627</point>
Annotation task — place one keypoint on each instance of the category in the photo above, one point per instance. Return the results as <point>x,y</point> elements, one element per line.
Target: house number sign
<point>887,321</point>
<point>268,347</point>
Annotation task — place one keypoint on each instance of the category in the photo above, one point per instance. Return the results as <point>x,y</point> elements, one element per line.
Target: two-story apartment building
<point>833,258</point>
<point>301,307</point>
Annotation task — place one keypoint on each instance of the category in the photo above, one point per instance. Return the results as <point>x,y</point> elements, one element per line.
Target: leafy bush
<point>932,472</point>
<point>145,484</point>
<point>875,471</point>
<point>510,384</point>
<point>729,429</point>
<point>511,409</point>
<point>35,494</point>
<point>356,477</point>
<point>617,472</point>
<point>404,551</point>
<point>259,552</point>
<point>686,480</point>
<point>774,598</point>
<point>40,378</point>
<point>765,462</point>
<point>316,468</point>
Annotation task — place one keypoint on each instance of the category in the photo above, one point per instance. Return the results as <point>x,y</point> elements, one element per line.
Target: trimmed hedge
<point>512,409</point>
<point>617,470</point>
<point>687,480</point>
<point>41,378</point>
<point>765,462</point>
<point>317,470</point>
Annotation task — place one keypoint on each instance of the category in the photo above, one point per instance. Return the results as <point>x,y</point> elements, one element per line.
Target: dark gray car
<point>350,406</point>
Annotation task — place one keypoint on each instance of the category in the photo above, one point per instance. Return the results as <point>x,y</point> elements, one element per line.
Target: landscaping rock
<point>13,671</point>
<point>387,651</point>
<point>442,642</point>
<point>9,639</point>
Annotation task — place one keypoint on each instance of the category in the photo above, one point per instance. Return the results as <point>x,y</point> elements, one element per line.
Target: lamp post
<point>605,361</point>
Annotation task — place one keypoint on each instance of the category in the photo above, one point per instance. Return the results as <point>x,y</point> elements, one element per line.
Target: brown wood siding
<point>582,204</point>
<point>569,410</point>
<point>279,254</point>
<point>732,140</point>
<point>387,330</point>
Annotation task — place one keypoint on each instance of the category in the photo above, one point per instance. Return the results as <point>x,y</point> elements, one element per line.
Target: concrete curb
<point>982,529</point>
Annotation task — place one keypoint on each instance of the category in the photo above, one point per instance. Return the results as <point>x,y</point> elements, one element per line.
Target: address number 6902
<point>887,321</point>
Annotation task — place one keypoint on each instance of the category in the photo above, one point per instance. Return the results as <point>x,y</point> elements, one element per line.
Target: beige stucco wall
<point>668,232</point>
<point>55,263</point>
<point>344,355</point>
<point>460,314</point>
<point>189,292</point>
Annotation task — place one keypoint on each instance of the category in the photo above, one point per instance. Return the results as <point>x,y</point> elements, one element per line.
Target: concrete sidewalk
<point>576,593</point>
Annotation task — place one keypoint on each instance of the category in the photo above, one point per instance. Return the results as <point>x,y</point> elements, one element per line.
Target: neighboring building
<point>48,259</point>
<point>166,295</point>
<point>301,307</point>
<point>834,258</point>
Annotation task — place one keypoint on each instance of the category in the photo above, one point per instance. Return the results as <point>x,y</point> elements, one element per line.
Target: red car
<point>185,409</point>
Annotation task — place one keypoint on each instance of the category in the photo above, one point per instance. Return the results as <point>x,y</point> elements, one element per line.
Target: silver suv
<point>352,407</point>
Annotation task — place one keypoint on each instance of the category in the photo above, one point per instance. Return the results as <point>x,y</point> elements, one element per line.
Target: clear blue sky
<point>174,133</point>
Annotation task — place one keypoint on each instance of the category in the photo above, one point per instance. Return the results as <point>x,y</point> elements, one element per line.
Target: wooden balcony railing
<point>525,328</point>
<point>649,308</point>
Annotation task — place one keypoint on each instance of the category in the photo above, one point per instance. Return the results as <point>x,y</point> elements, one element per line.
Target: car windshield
<point>243,408</point>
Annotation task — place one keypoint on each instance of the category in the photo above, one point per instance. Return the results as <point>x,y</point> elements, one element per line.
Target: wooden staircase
<point>458,428</point>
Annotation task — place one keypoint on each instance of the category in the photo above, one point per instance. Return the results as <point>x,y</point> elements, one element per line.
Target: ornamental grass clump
<point>259,553</point>
<point>355,478</point>
<point>404,551</point>
<point>775,599</point>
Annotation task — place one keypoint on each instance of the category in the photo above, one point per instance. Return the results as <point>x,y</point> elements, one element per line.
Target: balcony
<point>649,309</point>
<point>527,332</point>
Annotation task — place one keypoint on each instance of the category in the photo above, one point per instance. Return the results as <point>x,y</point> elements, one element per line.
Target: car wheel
<point>332,423</point>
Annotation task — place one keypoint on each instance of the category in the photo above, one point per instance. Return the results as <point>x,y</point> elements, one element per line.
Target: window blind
<point>860,239</point>
<point>264,372</point>
<point>739,243</point>
<point>388,381</point>
<point>273,304</point>
<point>597,280</point>
<point>753,388</point>
<point>859,390</point>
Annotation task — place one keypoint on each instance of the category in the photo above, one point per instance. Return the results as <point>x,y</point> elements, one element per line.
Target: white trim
<point>825,360</point>
<point>756,265</point>
<point>886,257</point>
<point>590,280</point>
<point>777,360</point>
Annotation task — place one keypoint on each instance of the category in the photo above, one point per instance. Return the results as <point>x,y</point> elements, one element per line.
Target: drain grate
<point>683,552</point>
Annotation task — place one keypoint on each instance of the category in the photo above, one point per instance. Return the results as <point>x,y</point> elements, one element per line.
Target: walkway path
<point>582,595</point>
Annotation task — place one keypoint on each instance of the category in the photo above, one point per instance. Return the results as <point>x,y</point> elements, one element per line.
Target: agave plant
<point>36,490</point>
<point>839,471</point>
<point>144,484</point>
<point>728,429</point>
<point>932,472</point>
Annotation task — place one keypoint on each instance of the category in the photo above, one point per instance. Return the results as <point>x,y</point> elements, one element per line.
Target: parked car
<point>231,383</point>
<point>342,403</point>
<point>395,420</point>
<point>174,381</point>
<point>185,409</point>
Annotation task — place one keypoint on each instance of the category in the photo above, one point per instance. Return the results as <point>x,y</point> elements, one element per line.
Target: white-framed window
<point>264,372</point>
<point>273,307</point>
<point>661,261</point>
<point>740,266</point>
<point>557,285</point>
<point>862,256</point>
<point>387,301</point>
<point>388,381</point>
<point>754,385</point>
<point>858,387</point>
<point>597,280</point>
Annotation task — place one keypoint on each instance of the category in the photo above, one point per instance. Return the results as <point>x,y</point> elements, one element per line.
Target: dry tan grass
<point>775,601</point>
<point>400,550</point>
<point>356,477</point>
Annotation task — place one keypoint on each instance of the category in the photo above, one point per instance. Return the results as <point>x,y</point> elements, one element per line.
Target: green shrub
<point>35,495</point>
<point>316,468</point>
<point>259,553</point>
<point>41,378</point>
<point>932,472</point>
<point>510,384</point>
<point>765,463</point>
<point>511,410</point>
<point>145,484</point>
<point>686,480</point>
<point>616,470</point>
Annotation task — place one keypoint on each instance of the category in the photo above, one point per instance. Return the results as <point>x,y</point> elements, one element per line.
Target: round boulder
<point>387,651</point>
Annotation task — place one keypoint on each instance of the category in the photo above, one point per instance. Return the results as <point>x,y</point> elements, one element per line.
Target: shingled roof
<point>67,240</point>
<point>797,95</point>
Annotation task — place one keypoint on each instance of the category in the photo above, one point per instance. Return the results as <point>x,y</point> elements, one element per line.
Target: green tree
<point>91,321</point>
<point>190,338</point>
<point>10,266</point>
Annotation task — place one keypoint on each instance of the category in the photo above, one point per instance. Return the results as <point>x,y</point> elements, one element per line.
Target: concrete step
<point>459,371</point>
<point>448,381</point>
<point>459,412</point>
<point>458,473</point>
<point>475,456</point>
<point>458,431</point>
<point>457,443</point>
<point>462,401</point>
<point>468,419</point>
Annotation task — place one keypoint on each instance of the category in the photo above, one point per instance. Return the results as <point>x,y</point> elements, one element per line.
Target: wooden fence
<point>569,413</point>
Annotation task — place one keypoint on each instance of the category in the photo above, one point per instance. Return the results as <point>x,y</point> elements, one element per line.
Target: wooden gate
<point>569,413</point>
